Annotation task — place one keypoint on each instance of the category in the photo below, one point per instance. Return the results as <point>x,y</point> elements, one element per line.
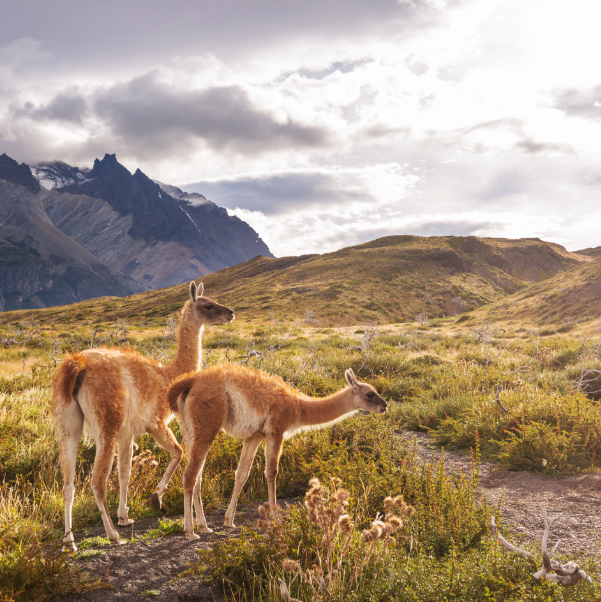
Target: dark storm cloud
<point>146,112</point>
<point>65,107</point>
<point>277,193</point>
<point>579,103</point>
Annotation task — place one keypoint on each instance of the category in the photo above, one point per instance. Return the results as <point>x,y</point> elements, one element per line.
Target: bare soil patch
<point>520,493</point>
<point>152,565</point>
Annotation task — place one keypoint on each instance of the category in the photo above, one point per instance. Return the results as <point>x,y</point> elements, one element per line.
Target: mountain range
<point>69,234</point>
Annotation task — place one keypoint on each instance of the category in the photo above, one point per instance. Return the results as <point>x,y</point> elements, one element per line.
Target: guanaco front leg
<point>164,436</point>
<point>273,449</point>
<point>244,465</point>
<point>125,450</point>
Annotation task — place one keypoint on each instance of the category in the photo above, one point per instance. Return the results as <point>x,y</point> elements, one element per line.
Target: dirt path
<point>152,564</point>
<point>520,493</point>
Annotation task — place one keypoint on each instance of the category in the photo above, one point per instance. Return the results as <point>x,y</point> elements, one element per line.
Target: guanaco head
<point>365,397</point>
<point>205,309</point>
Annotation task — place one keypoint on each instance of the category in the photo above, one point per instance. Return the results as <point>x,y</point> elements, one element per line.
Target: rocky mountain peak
<point>11,171</point>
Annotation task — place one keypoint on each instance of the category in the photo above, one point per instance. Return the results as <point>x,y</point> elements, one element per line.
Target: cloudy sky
<point>325,123</point>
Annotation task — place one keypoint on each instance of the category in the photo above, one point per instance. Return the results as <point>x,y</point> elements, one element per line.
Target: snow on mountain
<point>57,174</point>
<point>177,193</point>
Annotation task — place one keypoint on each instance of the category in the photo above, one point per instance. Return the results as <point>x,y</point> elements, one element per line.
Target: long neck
<point>189,351</point>
<point>314,412</point>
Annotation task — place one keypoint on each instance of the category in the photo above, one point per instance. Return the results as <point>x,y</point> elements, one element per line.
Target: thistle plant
<point>345,553</point>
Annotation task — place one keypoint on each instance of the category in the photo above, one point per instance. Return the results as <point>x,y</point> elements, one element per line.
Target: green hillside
<point>565,299</point>
<point>387,280</point>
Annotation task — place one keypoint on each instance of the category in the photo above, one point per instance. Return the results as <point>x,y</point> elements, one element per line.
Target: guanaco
<point>118,394</point>
<point>253,406</point>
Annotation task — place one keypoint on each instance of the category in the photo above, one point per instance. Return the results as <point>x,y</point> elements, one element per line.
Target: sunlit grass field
<point>525,400</point>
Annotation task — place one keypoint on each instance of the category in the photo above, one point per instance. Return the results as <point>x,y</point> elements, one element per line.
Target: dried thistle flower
<point>377,527</point>
<point>388,503</point>
<point>343,495</point>
<point>336,481</point>
<point>312,517</point>
<point>399,502</point>
<point>315,484</point>
<point>345,523</point>
<point>290,566</point>
<point>368,535</point>
<point>395,522</point>
<point>263,510</point>
<point>408,511</point>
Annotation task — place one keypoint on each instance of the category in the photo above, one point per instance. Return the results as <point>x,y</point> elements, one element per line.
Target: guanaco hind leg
<point>244,465</point>
<point>105,452</point>
<point>69,426</point>
<point>192,486</point>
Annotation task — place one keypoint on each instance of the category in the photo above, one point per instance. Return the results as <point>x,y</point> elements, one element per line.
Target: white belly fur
<point>242,421</point>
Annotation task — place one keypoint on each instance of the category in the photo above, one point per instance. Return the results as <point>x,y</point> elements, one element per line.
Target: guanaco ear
<point>201,290</point>
<point>193,291</point>
<point>351,379</point>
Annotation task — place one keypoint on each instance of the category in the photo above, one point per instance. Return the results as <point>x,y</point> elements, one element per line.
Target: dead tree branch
<point>565,574</point>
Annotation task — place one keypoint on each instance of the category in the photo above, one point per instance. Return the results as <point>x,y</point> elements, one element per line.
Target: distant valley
<point>68,234</point>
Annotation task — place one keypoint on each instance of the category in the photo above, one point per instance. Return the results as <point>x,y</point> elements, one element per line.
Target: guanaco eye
<point>370,395</point>
<point>209,306</point>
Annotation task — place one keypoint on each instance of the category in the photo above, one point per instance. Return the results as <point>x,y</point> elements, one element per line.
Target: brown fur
<point>121,394</point>
<point>180,385</point>
<point>254,406</point>
<point>63,380</point>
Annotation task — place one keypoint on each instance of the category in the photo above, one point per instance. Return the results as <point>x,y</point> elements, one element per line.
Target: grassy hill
<point>387,280</point>
<point>563,300</point>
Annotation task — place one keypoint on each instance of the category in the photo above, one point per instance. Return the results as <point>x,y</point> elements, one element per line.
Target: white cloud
<point>478,116</point>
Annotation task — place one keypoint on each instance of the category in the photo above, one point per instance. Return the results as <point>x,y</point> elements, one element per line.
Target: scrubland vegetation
<point>378,523</point>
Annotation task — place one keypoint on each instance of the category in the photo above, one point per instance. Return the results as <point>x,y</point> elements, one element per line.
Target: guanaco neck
<point>189,350</point>
<point>314,412</point>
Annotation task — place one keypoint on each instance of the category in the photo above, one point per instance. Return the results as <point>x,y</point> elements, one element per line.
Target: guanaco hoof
<point>204,529</point>
<point>155,500</point>
<point>229,524</point>
<point>123,522</point>
<point>69,547</point>
<point>192,536</point>
<point>118,541</point>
